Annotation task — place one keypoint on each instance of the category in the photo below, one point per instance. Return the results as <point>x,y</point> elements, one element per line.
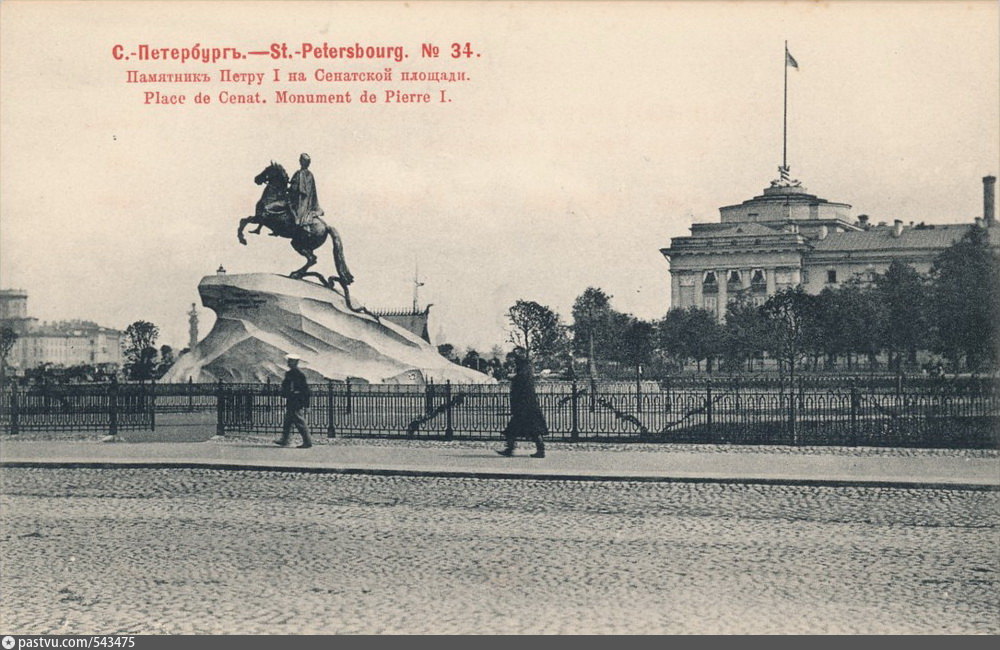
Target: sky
<point>586,136</point>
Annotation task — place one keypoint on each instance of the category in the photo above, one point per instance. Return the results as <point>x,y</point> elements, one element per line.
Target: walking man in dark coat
<point>526,419</point>
<point>295,390</point>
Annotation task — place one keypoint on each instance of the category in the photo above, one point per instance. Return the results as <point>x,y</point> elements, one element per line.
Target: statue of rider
<point>302,194</point>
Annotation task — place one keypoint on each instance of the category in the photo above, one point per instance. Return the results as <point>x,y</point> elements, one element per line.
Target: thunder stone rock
<point>260,318</point>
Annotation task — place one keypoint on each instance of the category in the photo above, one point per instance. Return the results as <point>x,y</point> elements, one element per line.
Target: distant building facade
<point>64,343</point>
<point>786,237</point>
<point>413,320</point>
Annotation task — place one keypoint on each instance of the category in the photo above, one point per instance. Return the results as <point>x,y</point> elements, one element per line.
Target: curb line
<point>857,483</point>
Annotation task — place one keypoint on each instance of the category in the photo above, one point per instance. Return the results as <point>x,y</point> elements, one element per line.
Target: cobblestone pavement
<point>133,551</point>
<point>182,434</point>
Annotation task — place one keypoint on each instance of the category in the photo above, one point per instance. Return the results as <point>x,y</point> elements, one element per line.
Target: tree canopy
<point>536,328</point>
<point>139,348</point>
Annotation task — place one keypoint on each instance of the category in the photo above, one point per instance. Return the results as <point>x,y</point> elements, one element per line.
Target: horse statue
<point>274,211</point>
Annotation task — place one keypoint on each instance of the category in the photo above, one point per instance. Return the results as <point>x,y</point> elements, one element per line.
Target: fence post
<point>708,405</point>
<point>331,432</point>
<point>152,405</point>
<point>574,432</point>
<point>638,389</point>
<point>429,397</point>
<point>791,410</point>
<point>449,432</point>
<point>593,394</point>
<point>190,394</point>
<point>347,407</point>
<point>113,407</point>
<point>855,402</point>
<point>15,416</point>
<point>220,410</point>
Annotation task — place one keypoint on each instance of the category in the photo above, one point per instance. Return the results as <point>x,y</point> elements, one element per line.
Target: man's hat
<point>305,157</point>
<point>293,357</point>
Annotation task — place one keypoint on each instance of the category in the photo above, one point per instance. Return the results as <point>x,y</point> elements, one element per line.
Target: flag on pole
<point>790,60</point>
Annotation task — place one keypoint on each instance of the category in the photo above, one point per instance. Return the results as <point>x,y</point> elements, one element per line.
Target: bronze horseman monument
<point>262,317</point>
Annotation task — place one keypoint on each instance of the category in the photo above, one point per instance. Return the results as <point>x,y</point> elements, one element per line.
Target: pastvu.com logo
<point>8,642</point>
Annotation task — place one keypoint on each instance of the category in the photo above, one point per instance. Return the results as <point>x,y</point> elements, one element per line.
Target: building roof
<point>413,320</point>
<point>880,238</point>
<point>68,329</point>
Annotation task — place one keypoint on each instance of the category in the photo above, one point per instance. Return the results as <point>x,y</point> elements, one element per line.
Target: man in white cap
<point>295,390</point>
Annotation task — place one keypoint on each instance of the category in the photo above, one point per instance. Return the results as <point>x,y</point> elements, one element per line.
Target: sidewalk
<point>911,468</point>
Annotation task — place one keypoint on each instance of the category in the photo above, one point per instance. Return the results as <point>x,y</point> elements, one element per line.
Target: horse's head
<point>273,173</point>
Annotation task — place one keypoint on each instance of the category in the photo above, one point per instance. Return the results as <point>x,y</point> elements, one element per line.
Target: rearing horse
<point>273,210</point>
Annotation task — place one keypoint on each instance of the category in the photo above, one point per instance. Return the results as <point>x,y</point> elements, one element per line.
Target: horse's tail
<point>338,257</point>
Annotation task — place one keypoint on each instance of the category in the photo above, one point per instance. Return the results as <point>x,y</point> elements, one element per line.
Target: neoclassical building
<point>787,237</point>
<point>63,343</point>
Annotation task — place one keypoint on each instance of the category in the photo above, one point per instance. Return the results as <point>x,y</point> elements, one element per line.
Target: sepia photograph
<point>498,318</point>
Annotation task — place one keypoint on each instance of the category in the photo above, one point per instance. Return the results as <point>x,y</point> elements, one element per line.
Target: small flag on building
<point>790,60</point>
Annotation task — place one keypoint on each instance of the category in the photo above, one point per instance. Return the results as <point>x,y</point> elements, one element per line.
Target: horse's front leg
<point>243,224</point>
<point>259,210</point>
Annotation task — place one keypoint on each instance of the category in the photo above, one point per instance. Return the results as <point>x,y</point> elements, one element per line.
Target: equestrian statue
<point>291,210</point>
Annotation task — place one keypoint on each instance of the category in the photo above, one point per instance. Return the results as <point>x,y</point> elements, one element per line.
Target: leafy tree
<point>817,339</point>
<point>849,322</point>
<point>8,337</point>
<point>670,336</point>
<point>742,333</point>
<point>139,347</point>
<point>537,329</point>
<point>965,308</point>
<point>592,331</point>
<point>447,350</point>
<point>474,361</point>
<point>791,321</point>
<point>902,293</point>
<point>637,342</point>
<point>704,336</point>
<point>690,333</point>
<point>166,360</point>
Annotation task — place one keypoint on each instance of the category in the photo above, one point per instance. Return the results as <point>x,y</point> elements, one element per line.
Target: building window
<point>709,283</point>
<point>758,281</point>
<point>831,276</point>
<point>711,303</point>
<point>735,280</point>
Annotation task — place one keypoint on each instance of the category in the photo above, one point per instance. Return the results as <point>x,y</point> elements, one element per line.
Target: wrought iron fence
<point>643,412</point>
<point>714,412</point>
<point>109,407</point>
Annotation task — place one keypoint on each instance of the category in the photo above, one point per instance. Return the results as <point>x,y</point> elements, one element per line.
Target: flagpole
<point>784,125</point>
